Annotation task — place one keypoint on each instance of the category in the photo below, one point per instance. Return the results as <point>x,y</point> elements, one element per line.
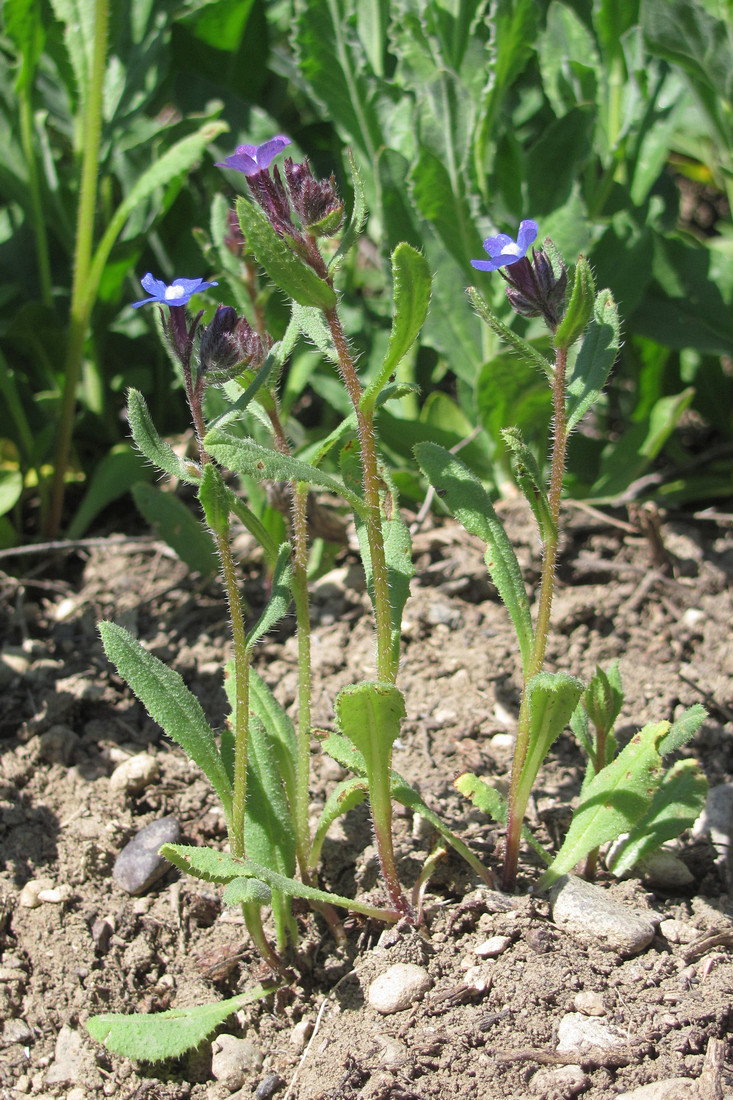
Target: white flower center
<point>511,249</point>
<point>175,291</point>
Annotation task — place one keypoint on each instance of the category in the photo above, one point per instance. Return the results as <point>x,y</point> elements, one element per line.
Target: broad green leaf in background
<point>116,474</point>
<point>173,522</point>
<point>677,803</point>
<point>169,703</point>
<point>11,487</point>
<point>613,802</point>
<point>595,359</point>
<point>470,504</point>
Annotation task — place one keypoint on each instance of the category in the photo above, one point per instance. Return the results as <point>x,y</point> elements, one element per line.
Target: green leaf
<point>246,891</point>
<point>172,521</point>
<point>287,270</point>
<point>412,283</point>
<point>357,221</point>
<point>214,501</point>
<point>594,360</point>
<point>120,469</point>
<point>494,805</point>
<point>23,24</point>
<point>579,309</point>
<point>155,1037</point>
<point>344,797</point>
<point>247,457</point>
<point>553,696</point>
<point>369,715</point>
<point>530,481</point>
<point>524,350</point>
<point>613,802</point>
<point>348,756</point>
<point>280,729</point>
<point>279,601</point>
<point>470,504</point>
<point>149,443</point>
<point>675,807</point>
<point>274,362</point>
<point>213,866</point>
<point>170,704</point>
<point>11,487</point>
<point>683,729</point>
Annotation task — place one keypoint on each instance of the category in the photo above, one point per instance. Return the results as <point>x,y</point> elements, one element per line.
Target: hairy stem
<point>518,797</point>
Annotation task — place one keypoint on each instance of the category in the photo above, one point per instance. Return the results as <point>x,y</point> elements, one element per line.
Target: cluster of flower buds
<point>535,288</point>
<point>316,203</point>
<point>228,345</point>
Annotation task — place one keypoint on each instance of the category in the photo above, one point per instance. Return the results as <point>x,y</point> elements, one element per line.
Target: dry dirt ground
<point>67,720</point>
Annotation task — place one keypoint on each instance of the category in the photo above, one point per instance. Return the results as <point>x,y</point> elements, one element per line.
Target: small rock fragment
<point>101,934</point>
<point>590,1003</point>
<point>678,931</point>
<point>715,819</point>
<point>493,947</point>
<point>57,745</point>
<point>268,1086</point>
<point>232,1059</point>
<point>135,774</point>
<point>392,1053</point>
<point>587,912</point>
<point>664,870</point>
<point>565,1081</point>
<point>57,895</point>
<point>674,1088</point>
<point>577,1033</point>
<point>300,1035</point>
<point>398,988</point>
<point>68,1058</point>
<point>28,897</point>
<point>138,865</point>
<point>16,1031</point>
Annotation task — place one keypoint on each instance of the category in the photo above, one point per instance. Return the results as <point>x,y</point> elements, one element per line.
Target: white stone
<point>398,988</point>
<point>493,947</point>
<point>232,1059</point>
<point>578,1032</point>
<point>28,897</point>
<point>57,895</point>
<point>665,870</point>
<point>502,742</point>
<point>565,1081</point>
<point>715,819</point>
<point>68,1058</point>
<point>588,913</point>
<point>674,1088</point>
<point>300,1035</point>
<point>137,773</point>
<point>590,1003</point>
<point>678,931</point>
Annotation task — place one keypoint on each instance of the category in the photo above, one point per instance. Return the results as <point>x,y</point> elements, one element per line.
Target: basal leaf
<point>155,1037</point>
<point>470,504</point>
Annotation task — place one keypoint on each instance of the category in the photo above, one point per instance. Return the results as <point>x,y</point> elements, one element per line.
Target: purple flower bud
<point>316,202</point>
<point>228,345</point>
<point>534,288</point>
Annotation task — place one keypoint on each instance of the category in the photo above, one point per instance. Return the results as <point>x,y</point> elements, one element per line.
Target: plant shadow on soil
<point>67,721</point>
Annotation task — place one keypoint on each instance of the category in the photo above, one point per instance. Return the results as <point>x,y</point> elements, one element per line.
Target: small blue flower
<point>251,159</point>
<point>177,294</point>
<point>505,251</point>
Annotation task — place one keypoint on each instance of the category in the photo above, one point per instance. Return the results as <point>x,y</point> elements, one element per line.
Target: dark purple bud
<point>316,202</point>
<point>269,191</point>
<point>228,345</point>
<point>534,288</point>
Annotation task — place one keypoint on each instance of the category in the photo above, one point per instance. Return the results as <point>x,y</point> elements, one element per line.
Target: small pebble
<point>589,1003</point>
<point>56,895</point>
<point>398,988</point>
<point>268,1086</point>
<point>300,1035</point>
<point>493,947</point>
<point>232,1059</point>
<point>101,934</point>
<point>578,1032</point>
<point>587,912</point>
<point>16,1031</point>
<point>392,1053</point>
<point>57,745</point>
<point>674,1088</point>
<point>664,870</point>
<point>715,819</point>
<point>565,1081</point>
<point>138,865</point>
<point>137,773</point>
<point>678,931</point>
<point>28,897</point>
<point>502,742</point>
<point>67,1064</point>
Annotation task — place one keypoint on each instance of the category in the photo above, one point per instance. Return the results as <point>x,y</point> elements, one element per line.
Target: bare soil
<point>662,608</point>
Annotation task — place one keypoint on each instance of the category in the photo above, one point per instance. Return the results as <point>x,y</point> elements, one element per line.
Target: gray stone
<point>590,1003</point>
<point>57,745</point>
<point>664,870</point>
<point>589,914</point>
<point>399,988</point>
<point>138,865</point>
<point>715,819</point>
<point>565,1082</point>
<point>68,1059</point>
<point>579,1032</point>
<point>268,1086</point>
<point>135,774</point>
<point>232,1059</point>
<point>493,947</point>
<point>16,1031</point>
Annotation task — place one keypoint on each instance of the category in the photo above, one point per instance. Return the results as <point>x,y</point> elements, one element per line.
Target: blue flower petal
<point>177,293</point>
<point>250,159</point>
<point>504,250</point>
